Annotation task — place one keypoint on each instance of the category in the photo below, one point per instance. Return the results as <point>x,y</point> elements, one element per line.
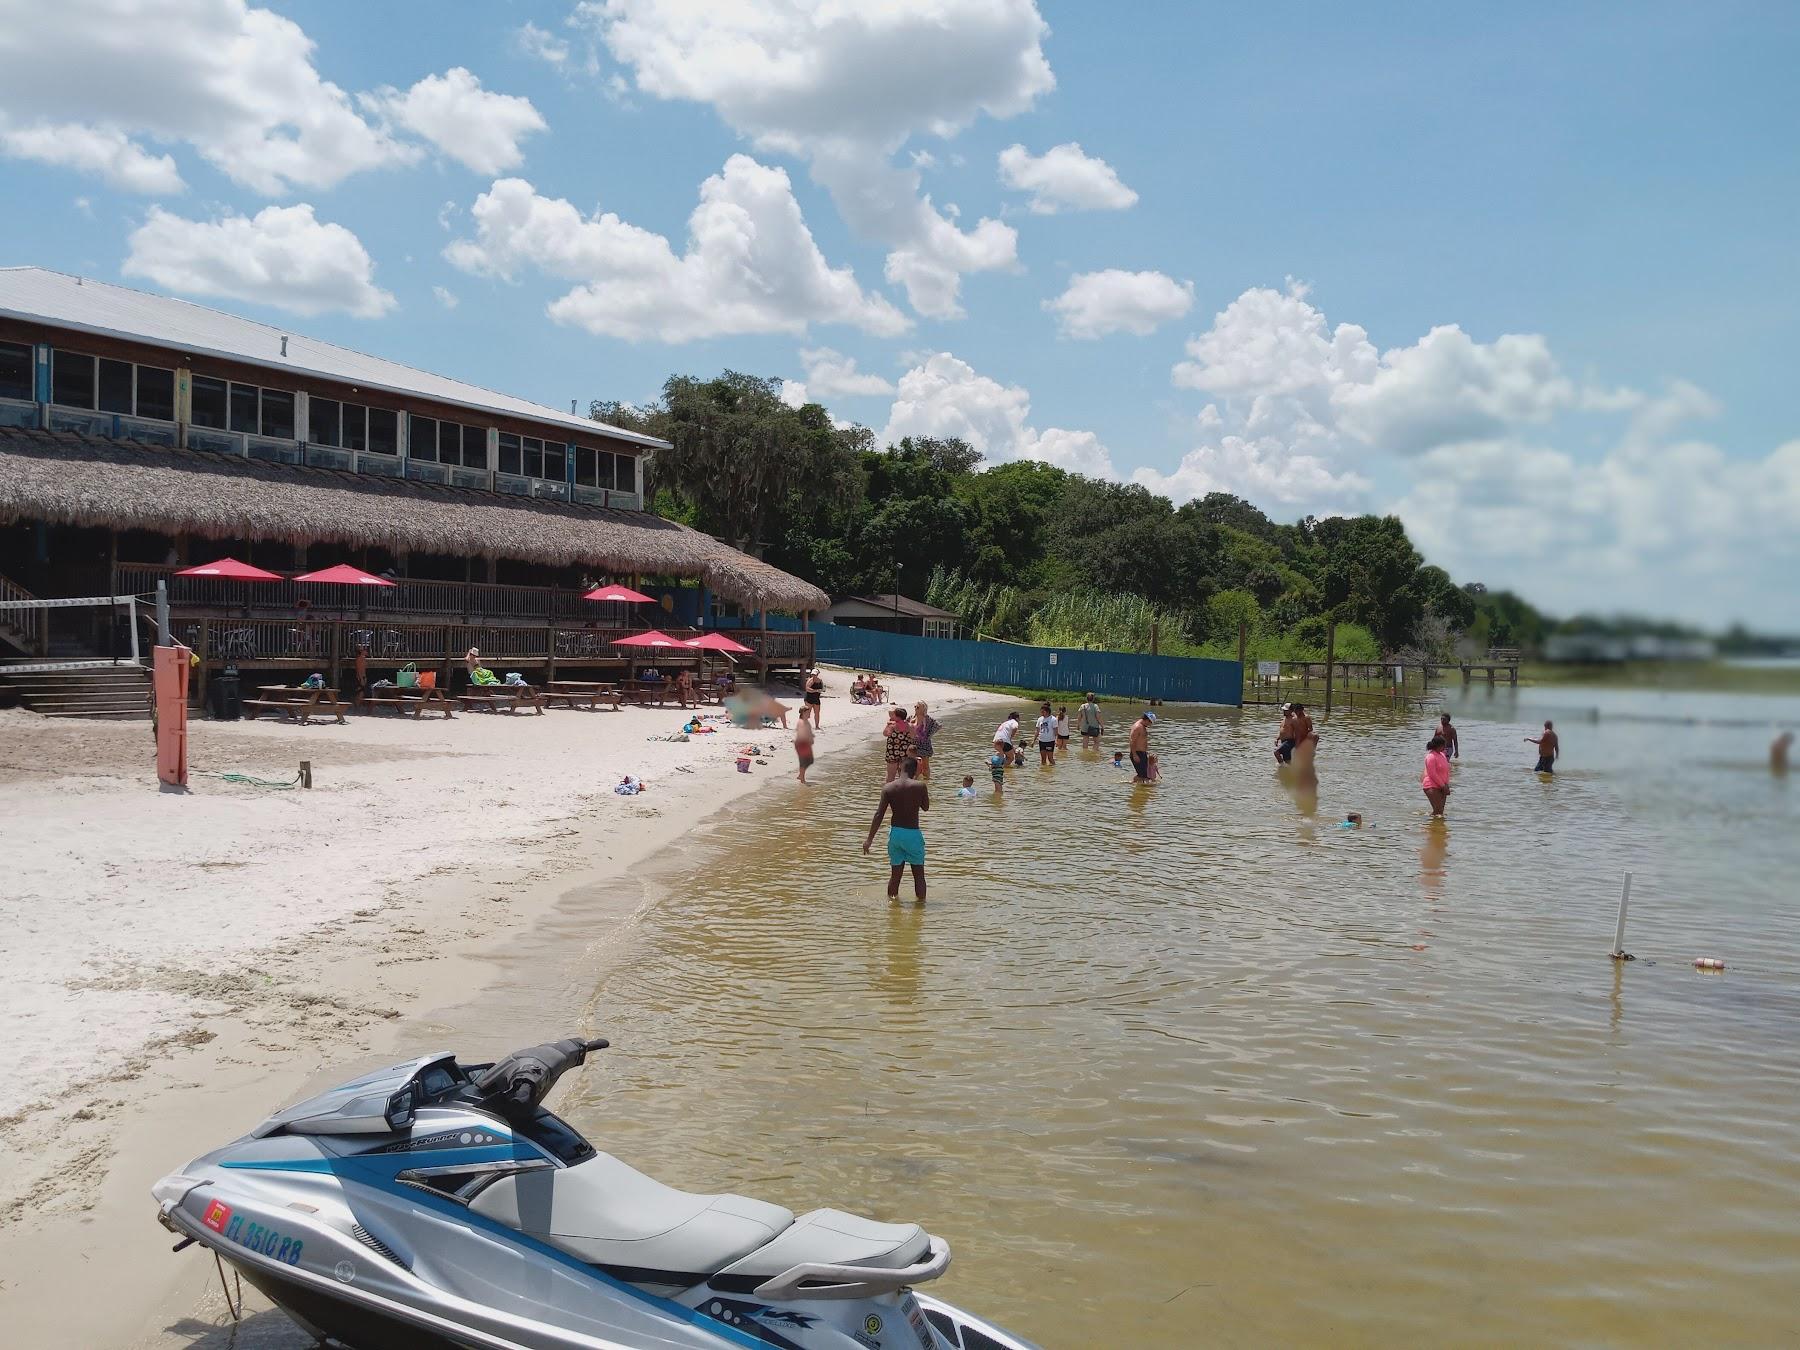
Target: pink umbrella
<point>229,569</point>
<point>715,642</point>
<point>651,639</point>
<point>620,593</point>
<point>345,575</point>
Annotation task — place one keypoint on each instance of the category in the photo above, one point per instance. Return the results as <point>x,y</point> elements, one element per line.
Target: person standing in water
<point>1549,748</point>
<point>905,797</point>
<point>899,743</point>
<point>803,743</point>
<point>813,697</point>
<point>1435,781</point>
<point>1138,743</point>
<point>924,726</point>
<point>1046,735</point>
<point>1062,729</point>
<point>1087,717</point>
<point>1778,754</point>
<point>1452,744</point>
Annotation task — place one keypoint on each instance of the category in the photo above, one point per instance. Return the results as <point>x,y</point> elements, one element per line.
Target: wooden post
<point>337,652</point>
<point>550,651</point>
<point>1330,655</point>
<point>204,653</point>
<point>762,623</point>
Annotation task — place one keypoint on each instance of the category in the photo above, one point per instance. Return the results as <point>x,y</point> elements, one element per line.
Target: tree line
<point>1029,552</point>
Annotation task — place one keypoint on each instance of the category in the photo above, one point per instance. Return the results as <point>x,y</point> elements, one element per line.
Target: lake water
<point>1191,1065</point>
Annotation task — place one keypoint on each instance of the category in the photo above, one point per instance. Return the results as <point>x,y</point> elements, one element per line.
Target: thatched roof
<point>78,480</point>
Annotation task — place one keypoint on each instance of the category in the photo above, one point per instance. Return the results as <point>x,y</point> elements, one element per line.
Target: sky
<point>1523,275</point>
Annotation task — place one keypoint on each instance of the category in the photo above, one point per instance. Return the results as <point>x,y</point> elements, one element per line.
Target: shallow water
<point>1192,1065</point>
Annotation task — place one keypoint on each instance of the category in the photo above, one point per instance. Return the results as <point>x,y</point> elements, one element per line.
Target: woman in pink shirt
<point>1436,778</point>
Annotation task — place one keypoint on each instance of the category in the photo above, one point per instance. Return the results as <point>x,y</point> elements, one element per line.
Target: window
<point>72,379</point>
<point>209,402</point>
<point>384,432</point>
<point>278,414</point>
<point>421,438</point>
<point>15,371</point>
<point>587,472</point>
<point>324,418</point>
<point>509,453</point>
<point>475,448</point>
<point>243,407</point>
<point>115,386</point>
<point>156,393</point>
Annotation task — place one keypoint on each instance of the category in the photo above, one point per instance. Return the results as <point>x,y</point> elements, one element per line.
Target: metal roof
<point>39,295</point>
<point>887,605</point>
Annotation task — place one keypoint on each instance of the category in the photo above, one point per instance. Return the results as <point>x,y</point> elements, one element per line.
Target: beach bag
<point>514,678</point>
<point>484,677</point>
<point>427,679</point>
<point>408,678</point>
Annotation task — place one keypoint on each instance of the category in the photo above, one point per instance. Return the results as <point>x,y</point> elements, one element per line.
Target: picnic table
<point>297,702</point>
<point>571,692</point>
<point>404,699</point>
<point>642,692</point>
<point>501,698</point>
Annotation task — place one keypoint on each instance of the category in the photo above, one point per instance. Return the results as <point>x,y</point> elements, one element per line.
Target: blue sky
<point>1523,275</point>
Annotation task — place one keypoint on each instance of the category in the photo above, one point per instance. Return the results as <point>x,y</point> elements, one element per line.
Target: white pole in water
<point>1618,948</point>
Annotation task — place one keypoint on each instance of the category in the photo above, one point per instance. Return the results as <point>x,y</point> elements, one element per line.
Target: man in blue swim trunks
<point>906,796</point>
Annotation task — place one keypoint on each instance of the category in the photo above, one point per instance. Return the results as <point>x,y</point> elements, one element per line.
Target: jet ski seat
<point>832,1237</point>
<point>608,1213</point>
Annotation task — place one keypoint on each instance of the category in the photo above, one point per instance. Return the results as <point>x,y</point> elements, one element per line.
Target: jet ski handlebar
<point>520,1082</point>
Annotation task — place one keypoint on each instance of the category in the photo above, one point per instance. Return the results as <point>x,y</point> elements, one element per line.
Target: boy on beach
<point>1118,760</point>
<point>997,766</point>
<point>1452,744</point>
<point>906,796</point>
<point>968,786</point>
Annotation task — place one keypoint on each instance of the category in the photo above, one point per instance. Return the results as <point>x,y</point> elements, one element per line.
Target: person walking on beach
<point>1087,717</point>
<point>1436,779</point>
<point>813,696</point>
<point>899,742</point>
<point>923,726</point>
<point>1138,743</point>
<point>905,797</point>
<point>803,742</point>
<point>1046,735</point>
<point>1549,748</point>
<point>1452,743</point>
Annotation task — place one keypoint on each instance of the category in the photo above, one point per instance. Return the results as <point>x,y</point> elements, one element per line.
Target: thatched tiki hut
<point>139,434</point>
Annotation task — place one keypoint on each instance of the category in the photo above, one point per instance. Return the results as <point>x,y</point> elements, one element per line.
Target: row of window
<point>78,380</point>
<point>352,426</point>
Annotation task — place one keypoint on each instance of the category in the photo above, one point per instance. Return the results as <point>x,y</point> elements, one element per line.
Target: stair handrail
<point>30,632</point>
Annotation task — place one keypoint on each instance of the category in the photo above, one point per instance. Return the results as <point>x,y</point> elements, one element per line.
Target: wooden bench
<point>570,693</point>
<point>497,699</point>
<point>417,703</point>
<point>298,703</point>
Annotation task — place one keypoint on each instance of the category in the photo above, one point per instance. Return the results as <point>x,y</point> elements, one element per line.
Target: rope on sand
<point>251,779</point>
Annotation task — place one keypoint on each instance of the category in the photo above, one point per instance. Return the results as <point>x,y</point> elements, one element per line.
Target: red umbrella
<point>651,639</point>
<point>621,593</point>
<point>715,642</point>
<point>345,575</point>
<point>229,569</point>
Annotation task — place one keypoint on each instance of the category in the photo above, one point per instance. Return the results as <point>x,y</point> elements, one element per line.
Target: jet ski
<point>436,1204</point>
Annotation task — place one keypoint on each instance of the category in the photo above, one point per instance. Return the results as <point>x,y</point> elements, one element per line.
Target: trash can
<point>228,695</point>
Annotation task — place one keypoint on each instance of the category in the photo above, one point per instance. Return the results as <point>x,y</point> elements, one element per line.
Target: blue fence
<point>1177,679</point>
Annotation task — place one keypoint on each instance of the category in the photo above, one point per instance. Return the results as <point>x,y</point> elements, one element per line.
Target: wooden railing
<point>27,629</point>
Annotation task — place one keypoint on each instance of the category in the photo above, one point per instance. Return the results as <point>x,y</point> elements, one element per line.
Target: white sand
<point>179,964</point>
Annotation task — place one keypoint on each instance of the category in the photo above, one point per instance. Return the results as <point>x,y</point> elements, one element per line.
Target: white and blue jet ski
<point>435,1204</point>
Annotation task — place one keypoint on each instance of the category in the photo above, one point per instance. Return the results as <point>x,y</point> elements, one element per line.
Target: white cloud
<point>237,83</point>
<point>923,160</point>
<point>793,393</point>
<point>103,151</point>
<point>1064,178</point>
<point>541,45</point>
<point>474,126</point>
<point>1113,301</point>
<point>944,396</point>
<point>844,86</point>
<point>282,256</point>
<point>831,374</point>
<point>445,297</point>
<point>751,265</point>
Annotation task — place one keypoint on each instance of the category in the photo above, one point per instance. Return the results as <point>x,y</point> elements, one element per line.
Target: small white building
<point>893,614</point>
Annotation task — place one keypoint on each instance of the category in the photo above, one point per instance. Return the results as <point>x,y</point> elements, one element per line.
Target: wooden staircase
<point>121,692</point>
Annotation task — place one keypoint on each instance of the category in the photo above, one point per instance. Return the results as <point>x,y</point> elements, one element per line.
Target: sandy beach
<point>181,964</point>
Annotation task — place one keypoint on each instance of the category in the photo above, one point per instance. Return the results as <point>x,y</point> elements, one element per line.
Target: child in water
<point>1118,760</point>
<point>968,787</point>
<point>997,767</point>
<point>1154,771</point>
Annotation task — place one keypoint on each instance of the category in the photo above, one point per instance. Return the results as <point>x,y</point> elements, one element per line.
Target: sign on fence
<point>1269,669</point>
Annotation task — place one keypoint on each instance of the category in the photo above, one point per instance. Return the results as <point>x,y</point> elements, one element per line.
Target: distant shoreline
<point>1721,676</point>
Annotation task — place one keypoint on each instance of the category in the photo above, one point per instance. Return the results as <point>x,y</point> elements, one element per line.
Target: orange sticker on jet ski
<point>217,1215</point>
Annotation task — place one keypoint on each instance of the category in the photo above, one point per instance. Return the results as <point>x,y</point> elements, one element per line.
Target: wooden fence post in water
<point>1618,948</point>
<point>1330,655</point>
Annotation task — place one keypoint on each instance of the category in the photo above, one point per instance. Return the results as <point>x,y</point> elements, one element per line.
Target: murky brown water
<point>1193,1066</point>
